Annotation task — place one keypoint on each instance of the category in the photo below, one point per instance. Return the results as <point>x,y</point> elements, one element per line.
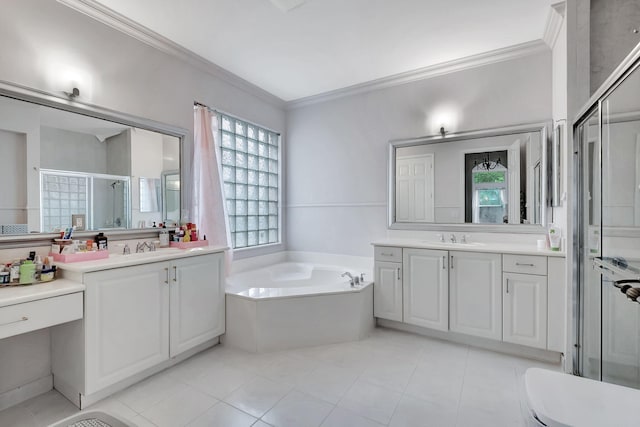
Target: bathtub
<point>292,304</point>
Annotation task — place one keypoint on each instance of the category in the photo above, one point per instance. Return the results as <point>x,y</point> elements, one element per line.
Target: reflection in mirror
<point>150,195</point>
<point>489,177</point>
<point>64,165</point>
<point>171,197</point>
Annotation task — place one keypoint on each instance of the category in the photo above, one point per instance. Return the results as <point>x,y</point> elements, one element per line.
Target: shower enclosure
<point>607,233</point>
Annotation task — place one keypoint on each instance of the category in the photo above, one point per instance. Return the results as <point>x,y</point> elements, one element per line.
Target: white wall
<point>43,43</point>
<point>72,151</point>
<point>337,150</point>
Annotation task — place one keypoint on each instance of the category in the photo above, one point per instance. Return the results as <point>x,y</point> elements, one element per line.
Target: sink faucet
<point>149,245</point>
<point>353,281</point>
<point>126,250</point>
<point>452,238</point>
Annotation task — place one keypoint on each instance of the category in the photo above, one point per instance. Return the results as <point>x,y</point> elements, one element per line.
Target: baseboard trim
<point>26,392</point>
<point>484,343</point>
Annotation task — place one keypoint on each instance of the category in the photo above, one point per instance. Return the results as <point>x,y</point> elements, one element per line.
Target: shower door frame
<point>627,67</point>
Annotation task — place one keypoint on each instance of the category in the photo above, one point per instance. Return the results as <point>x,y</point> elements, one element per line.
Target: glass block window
<point>250,170</point>
<point>62,196</point>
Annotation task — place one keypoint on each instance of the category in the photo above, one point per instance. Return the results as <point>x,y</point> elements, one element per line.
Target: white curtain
<point>208,207</point>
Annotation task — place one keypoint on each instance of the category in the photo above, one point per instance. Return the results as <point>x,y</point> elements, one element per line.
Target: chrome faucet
<point>126,250</point>
<point>353,281</point>
<point>452,238</point>
<point>149,245</point>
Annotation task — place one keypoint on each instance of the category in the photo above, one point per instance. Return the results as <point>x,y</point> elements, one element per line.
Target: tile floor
<point>390,379</point>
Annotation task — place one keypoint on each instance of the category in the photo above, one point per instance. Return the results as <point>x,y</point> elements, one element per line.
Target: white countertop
<point>118,260</point>
<point>503,248</point>
<point>10,295</point>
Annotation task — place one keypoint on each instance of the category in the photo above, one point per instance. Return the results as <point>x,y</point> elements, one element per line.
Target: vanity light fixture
<point>75,92</point>
<point>487,164</point>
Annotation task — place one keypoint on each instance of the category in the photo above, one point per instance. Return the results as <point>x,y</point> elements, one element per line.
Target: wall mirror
<point>58,165</point>
<point>493,179</point>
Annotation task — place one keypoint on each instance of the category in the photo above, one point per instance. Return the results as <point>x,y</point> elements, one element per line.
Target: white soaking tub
<point>290,305</point>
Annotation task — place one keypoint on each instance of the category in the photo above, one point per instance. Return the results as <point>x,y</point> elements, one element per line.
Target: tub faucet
<point>353,281</point>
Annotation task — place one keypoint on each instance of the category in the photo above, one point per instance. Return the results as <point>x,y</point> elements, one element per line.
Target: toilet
<point>556,399</point>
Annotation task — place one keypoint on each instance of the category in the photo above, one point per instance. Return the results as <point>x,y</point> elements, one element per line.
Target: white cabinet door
<point>525,309</point>
<point>387,291</point>
<point>426,288</point>
<point>126,323</point>
<point>197,301</point>
<point>475,294</point>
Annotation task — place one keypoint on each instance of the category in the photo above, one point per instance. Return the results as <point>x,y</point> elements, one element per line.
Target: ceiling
<point>295,49</point>
<point>60,119</point>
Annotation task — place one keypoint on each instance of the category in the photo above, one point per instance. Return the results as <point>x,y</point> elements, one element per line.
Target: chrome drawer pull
<point>384,254</point>
<point>24,319</point>
<point>166,270</point>
<point>520,264</point>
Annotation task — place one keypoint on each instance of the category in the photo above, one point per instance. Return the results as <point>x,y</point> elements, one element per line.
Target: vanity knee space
<point>509,297</point>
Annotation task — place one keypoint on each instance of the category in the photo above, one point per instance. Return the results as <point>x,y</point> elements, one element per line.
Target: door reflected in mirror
<point>488,177</point>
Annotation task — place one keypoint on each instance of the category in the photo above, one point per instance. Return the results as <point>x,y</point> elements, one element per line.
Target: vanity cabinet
<point>387,289</point>
<point>196,302</point>
<point>136,319</point>
<point>126,322</point>
<point>514,298</point>
<point>426,288</point>
<point>524,287</point>
<point>475,287</point>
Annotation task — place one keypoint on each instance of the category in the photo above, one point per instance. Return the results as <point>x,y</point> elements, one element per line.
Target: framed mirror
<point>70,162</point>
<point>488,180</point>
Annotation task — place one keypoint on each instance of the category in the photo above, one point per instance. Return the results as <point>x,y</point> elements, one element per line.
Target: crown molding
<point>474,61</point>
<point>125,25</point>
<point>554,23</point>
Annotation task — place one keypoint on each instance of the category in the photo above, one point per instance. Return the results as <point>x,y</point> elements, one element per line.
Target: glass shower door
<point>620,207</point>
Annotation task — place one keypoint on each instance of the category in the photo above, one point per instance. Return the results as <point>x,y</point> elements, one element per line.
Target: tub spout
<point>353,281</point>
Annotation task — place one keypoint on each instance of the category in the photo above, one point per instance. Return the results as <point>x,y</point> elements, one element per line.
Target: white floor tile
<point>413,412</point>
<point>289,369</point>
<point>371,401</point>
<point>258,396</point>
<point>146,393</point>
<point>390,377</point>
<point>223,415</point>
<point>113,406</point>
<point>438,384</point>
<point>17,416</point>
<point>327,382</point>
<point>393,374</point>
<point>220,380</point>
<point>298,410</point>
<point>141,421</point>
<point>50,407</point>
<point>341,417</point>
<point>471,417</point>
<point>180,409</point>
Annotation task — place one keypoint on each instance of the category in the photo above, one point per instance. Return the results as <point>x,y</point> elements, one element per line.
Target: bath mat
<point>93,419</point>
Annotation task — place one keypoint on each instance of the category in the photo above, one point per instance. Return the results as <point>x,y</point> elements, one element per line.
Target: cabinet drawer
<point>386,253</point>
<point>29,316</point>
<point>525,264</point>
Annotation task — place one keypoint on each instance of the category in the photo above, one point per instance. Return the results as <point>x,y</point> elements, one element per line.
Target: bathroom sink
<point>449,244</point>
<point>151,254</point>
